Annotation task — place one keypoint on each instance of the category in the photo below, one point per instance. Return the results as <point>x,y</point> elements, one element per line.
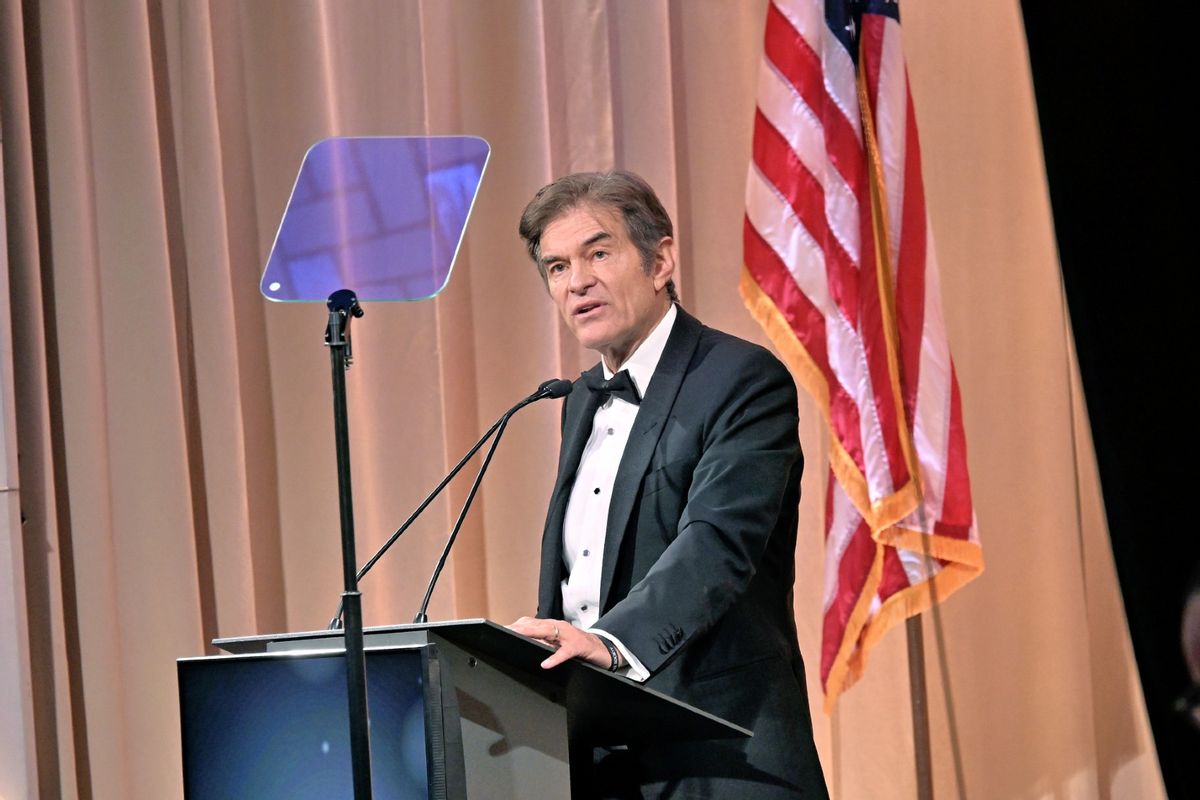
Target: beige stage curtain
<point>175,432</point>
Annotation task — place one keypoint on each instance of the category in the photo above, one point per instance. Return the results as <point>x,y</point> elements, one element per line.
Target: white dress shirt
<point>586,521</point>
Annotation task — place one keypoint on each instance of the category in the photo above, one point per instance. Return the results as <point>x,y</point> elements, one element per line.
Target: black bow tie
<point>619,385</point>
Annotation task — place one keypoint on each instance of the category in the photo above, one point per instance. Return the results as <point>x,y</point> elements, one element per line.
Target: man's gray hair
<point>646,221</point>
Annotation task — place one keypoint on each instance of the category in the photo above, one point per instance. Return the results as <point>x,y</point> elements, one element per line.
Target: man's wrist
<point>630,666</point>
<point>614,655</point>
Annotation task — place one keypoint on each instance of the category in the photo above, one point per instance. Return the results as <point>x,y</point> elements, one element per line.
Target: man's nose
<point>582,276</point>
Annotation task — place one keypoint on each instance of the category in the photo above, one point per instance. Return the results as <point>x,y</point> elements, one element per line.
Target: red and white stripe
<point>864,334</point>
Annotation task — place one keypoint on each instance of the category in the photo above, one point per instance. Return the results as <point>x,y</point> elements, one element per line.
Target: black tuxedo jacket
<point>699,559</point>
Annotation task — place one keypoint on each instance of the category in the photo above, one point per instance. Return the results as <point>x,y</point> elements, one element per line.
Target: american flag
<point>840,272</point>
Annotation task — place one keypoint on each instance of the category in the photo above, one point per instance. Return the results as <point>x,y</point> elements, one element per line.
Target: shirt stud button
<point>596,490</point>
<point>583,608</point>
<point>611,431</point>
<point>587,552</point>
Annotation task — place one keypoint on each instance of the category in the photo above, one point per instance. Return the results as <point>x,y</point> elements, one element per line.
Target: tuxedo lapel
<point>579,410</point>
<point>647,427</point>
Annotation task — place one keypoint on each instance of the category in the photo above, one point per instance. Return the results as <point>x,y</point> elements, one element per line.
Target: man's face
<point>597,279</point>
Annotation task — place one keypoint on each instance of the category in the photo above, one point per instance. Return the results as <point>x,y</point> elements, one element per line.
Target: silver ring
<point>556,632</point>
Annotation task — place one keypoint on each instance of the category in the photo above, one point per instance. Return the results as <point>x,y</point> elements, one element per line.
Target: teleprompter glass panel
<point>382,216</point>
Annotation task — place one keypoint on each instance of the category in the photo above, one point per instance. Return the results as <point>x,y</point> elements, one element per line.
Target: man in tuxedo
<point>669,546</point>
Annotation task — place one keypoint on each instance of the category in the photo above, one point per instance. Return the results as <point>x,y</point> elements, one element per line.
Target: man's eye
<point>600,255</point>
<point>555,269</point>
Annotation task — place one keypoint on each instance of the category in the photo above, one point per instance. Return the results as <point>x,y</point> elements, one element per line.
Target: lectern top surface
<point>611,708</point>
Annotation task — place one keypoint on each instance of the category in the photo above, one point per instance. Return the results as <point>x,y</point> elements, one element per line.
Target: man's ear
<point>664,263</point>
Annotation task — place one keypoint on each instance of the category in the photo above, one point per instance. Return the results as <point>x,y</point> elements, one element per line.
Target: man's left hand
<point>567,640</point>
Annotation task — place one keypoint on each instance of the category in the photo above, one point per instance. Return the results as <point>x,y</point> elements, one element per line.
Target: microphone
<point>553,388</point>
<point>556,387</point>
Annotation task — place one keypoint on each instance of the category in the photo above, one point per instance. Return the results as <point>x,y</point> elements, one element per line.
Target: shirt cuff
<point>633,669</point>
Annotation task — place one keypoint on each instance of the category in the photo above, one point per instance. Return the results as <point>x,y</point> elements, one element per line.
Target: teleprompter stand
<point>343,307</point>
<point>386,215</point>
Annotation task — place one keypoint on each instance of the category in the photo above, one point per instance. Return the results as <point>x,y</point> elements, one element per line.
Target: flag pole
<point>919,698</point>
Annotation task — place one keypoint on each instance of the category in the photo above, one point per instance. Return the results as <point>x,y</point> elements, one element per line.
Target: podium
<point>497,725</point>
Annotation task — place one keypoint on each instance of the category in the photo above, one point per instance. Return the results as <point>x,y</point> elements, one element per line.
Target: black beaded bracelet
<point>612,653</point>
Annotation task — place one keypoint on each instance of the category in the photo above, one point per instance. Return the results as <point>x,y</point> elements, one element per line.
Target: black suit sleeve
<point>748,450</point>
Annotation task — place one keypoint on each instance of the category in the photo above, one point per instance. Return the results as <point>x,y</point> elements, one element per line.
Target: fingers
<point>570,642</point>
<point>548,631</point>
<point>581,645</point>
<point>560,656</point>
<point>567,640</point>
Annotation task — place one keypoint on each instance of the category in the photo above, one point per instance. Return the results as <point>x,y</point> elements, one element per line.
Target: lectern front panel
<point>277,725</point>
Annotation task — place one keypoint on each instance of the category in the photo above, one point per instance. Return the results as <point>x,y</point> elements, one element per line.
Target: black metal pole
<point>343,306</point>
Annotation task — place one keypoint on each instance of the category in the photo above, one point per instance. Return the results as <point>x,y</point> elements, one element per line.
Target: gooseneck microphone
<point>553,388</point>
